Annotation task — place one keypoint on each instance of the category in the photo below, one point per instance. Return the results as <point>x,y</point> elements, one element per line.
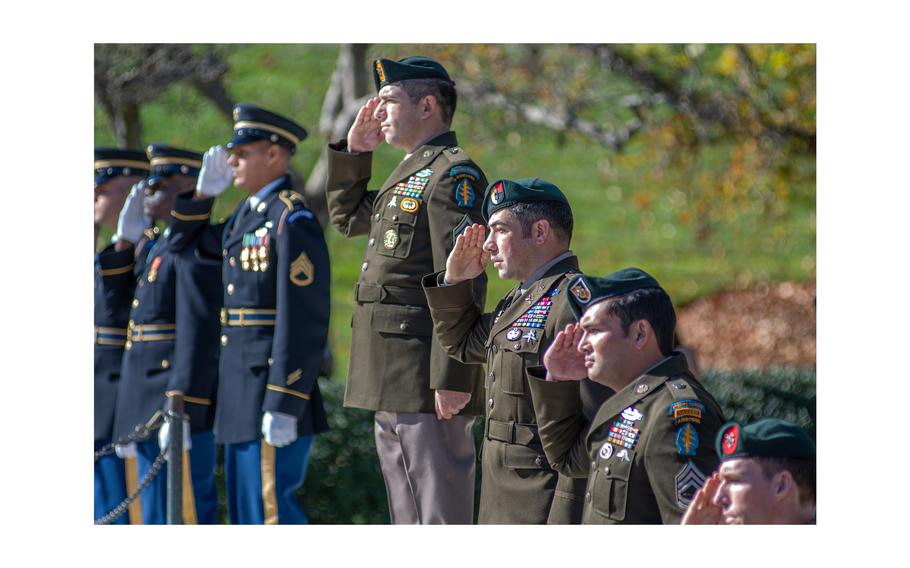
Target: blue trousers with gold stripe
<point>110,485</point>
<point>261,480</point>
<point>200,498</point>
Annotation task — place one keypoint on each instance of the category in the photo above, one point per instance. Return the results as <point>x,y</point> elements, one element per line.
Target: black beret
<point>252,124</point>
<point>168,160</point>
<point>766,438</point>
<point>588,290</point>
<point>113,162</point>
<point>386,71</point>
<point>504,193</point>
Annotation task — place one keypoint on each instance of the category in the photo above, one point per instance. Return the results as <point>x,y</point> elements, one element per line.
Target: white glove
<point>279,429</point>
<point>215,175</point>
<point>165,431</point>
<point>132,221</point>
<point>127,451</point>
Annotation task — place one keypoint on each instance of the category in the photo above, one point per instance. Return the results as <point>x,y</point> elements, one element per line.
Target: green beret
<point>588,290</point>
<point>504,193</point>
<point>766,438</point>
<point>386,71</point>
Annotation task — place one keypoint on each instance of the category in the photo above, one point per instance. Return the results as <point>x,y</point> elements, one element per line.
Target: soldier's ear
<point>427,106</point>
<point>540,230</point>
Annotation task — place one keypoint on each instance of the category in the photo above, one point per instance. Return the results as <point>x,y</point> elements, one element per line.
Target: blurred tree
<point>128,75</point>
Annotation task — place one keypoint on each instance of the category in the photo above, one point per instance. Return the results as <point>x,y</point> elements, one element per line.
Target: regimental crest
<point>730,440</point>
<point>686,440</point>
<point>513,334</point>
<point>581,291</point>
<point>497,193</point>
<point>606,451</point>
<point>302,271</point>
<point>688,481</point>
<point>390,239</point>
<point>380,72</point>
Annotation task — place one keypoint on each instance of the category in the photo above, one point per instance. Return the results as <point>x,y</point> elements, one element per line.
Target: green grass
<point>625,213</point>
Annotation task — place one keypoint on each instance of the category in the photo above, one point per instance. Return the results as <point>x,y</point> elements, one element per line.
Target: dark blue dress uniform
<point>274,332</point>
<point>173,345</point>
<point>113,291</point>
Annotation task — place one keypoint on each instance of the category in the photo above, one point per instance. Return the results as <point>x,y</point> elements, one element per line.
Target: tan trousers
<point>428,467</point>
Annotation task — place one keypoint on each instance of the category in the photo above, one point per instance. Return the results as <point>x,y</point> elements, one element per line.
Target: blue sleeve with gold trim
<point>302,314</point>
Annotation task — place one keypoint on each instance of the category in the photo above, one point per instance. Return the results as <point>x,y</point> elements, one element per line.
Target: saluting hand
<point>215,175</point>
<point>468,259</point>
<point>563,360</point>
<point>366,132</point>
<point>704,510</point>
<point>132,220</point>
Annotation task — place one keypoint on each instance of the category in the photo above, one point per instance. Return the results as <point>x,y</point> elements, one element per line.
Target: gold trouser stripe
<point>121,164</point>
<point>115,271</point>
<point>132,481</point>
<point>189,500</point>
<point>269,501</point>
<point>171,161</point>
<point>195,400</point>
<point>304,396</point>
<point>267,128</point>
<point>182,217</point>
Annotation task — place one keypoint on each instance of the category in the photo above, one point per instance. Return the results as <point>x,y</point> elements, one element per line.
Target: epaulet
<point>291,199</point>
<point>456,154</point>
<point>295,207</point>
<point>680,389</point>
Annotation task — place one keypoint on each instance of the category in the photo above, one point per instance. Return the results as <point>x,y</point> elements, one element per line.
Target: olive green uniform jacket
<point>518,485</point>
<point>396,362</point>
<point>647,451</point>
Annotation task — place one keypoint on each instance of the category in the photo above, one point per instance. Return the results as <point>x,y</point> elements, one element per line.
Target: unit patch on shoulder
<point>686,440</point>
<point>688,481</point>
<point>684,411</point>
<point>464,194</point>
<point>581,292</point>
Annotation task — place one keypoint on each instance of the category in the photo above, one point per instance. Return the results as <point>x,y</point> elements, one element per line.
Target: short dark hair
<point>444,91</point>
<point>653,305</point>
<point>802,470</point>
<point>558,214</point>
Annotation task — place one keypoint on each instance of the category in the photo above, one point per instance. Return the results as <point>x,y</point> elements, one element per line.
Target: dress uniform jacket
<point>396,361</point>
<point>172,335</point>
<point>519,486</point>
<point>275,318</point>
<point>114,285</point>
<point>647,451</point>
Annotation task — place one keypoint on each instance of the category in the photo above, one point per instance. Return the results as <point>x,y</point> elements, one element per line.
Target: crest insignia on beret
<point>497,193</point>
<point>730,439</point>
<point>581,292</point>
<point>379,71</point>
<point>236,114</point>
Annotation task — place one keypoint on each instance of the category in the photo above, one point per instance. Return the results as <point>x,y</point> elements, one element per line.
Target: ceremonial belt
<point>110,336</point>
<point>247,316</point>
<point>512,432</point>
<point>367,293</point>
<point>151,331</point>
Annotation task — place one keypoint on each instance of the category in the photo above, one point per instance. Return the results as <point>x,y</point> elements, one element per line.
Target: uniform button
<point>593,464</point>
<point>224,252</point>
<point>371,242</point>
<point>607,470</point>
<point>363,267</point>
<point>492,377</point>
<point>403,326</point>
<point>271,361</point>
<point>165,363</point>
<point>493,349</point>
<point>394,217</point>
<point>588,497</point>
<point>230,289</point>
<point>224,340</point>
<point>376,216</point>
<point>232,261</point>
<point>490,403</point>
<point>135,302</point>
<point>538,461</point>
<point>517,346</point>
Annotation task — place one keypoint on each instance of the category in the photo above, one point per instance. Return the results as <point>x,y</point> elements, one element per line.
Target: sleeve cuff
<point>113,262</point>
<point>452,296</point>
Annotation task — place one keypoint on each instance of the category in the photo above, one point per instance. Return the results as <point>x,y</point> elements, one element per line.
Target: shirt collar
<point>543,270</point>
<point>262,193</point>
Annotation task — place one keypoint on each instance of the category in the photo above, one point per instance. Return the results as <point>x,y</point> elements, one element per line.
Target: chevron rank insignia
<point>302,271</point>
<point>688,481</point>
